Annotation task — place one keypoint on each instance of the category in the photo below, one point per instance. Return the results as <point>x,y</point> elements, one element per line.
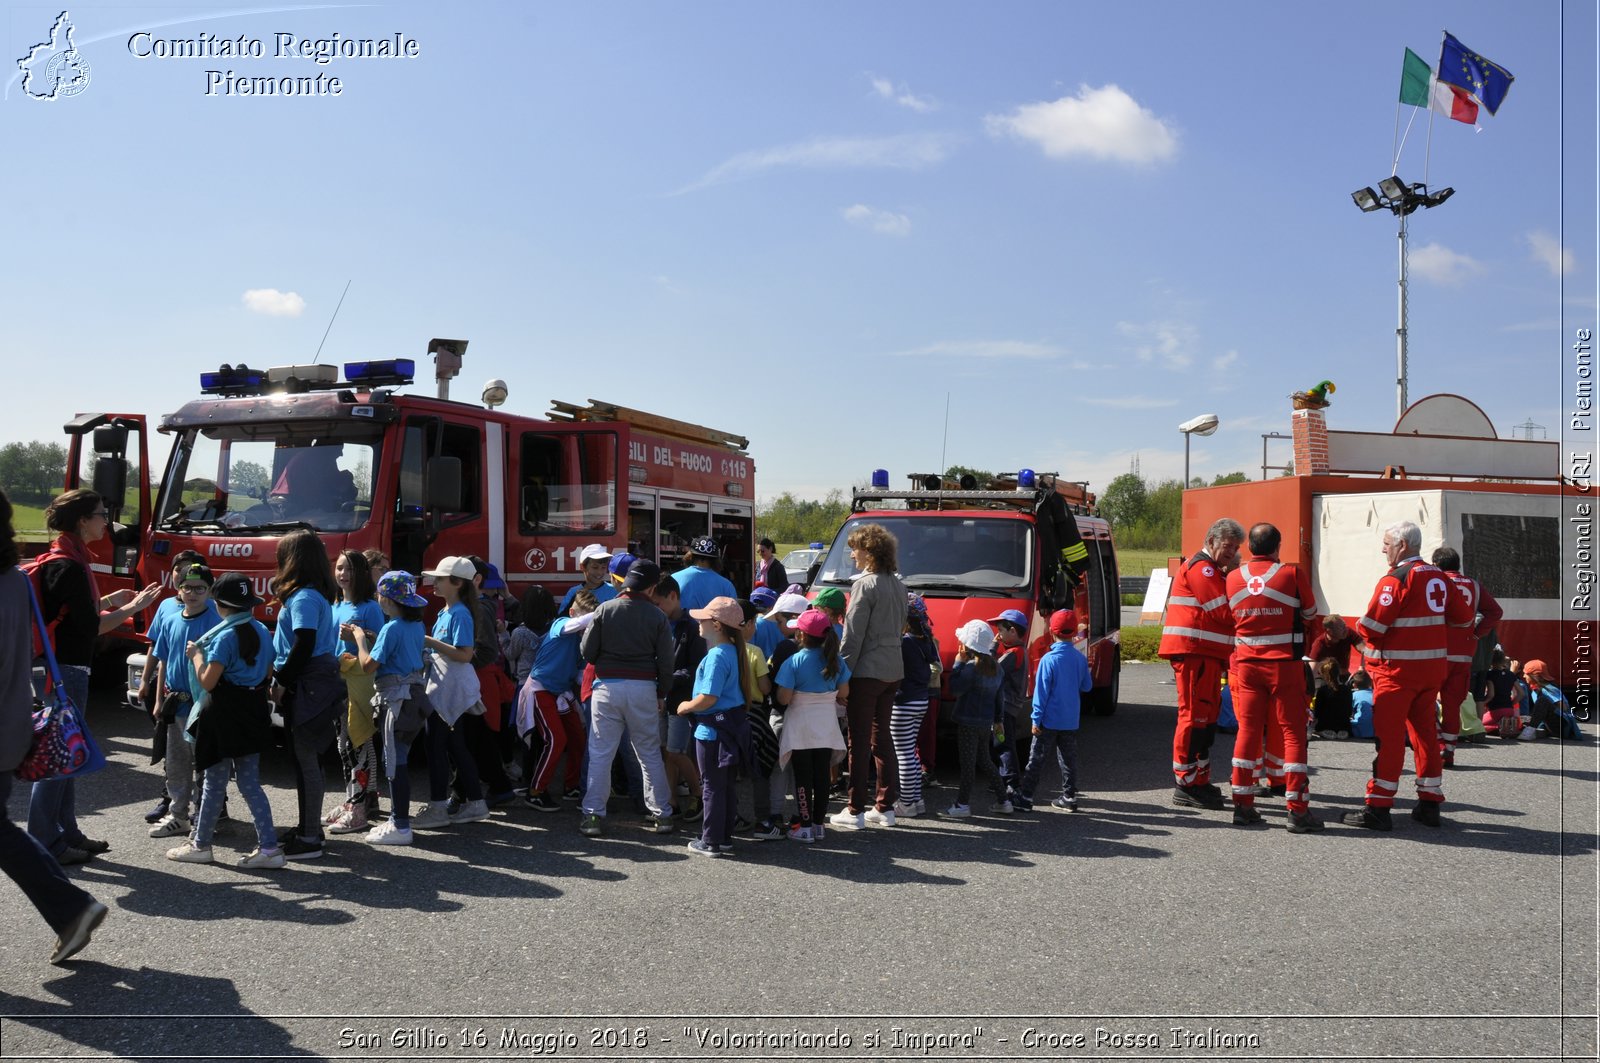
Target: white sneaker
<point>844,819</point>
<point>874,818</point>
<point>1528,734</point>
<point>958,811</point>
<point>432,816</point>
<point>389,833</point>
<point>269,858</point>
<point>170,827</point>
<point>1003,807</point>
<point>189,853</point>
<point>904,810</point>
<point>471,812</point>
<point>334,814</point>
<point>798,833</point>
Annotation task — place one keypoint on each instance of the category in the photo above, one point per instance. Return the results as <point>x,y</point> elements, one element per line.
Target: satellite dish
<point>1445,415</point>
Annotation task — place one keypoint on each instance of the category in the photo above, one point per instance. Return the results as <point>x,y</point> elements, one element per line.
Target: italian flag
<point>1419,88</point>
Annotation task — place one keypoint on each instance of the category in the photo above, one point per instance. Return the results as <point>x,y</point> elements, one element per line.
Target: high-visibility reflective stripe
<point>1274,772</point>
<point>1238,763</point>
<point>1240,791</point>
<point>1406,655</point>
<point>1430,780</point>
<point>1214,604</point>
<point>1179,599</point>
<point>1268,640</point>
<point>1448,737</point>
<point>1196,633</point>
<point>1301,768</point>
<point>1458,660</point>
<point>1295,795</point>
<point>1373,625</point>
<point>1385,784</point>
<point>1420,621</point>
<point>1075,552</point>
<point>1272,759</point>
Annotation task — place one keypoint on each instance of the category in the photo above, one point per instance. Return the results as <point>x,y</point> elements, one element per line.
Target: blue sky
<point>814,224</point>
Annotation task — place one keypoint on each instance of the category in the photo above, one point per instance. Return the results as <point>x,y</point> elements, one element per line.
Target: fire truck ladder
<point>649,422</point>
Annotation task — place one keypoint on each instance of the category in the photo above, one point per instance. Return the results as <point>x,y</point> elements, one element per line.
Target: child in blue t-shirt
<point>1361,705</point>
<point>193,617</point>
<point>810,684</point>
<point>454,692</point>
<point>356,607</point>
<point>392,659</point>
<point>718,698</point>
<point>232,724</point>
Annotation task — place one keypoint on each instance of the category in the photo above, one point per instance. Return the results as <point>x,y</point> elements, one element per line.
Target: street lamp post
<point>1203,425</point>
<point>1395,195</point>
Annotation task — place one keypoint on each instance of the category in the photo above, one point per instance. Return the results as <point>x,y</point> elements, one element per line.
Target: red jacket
<point>1463,641</point>
<point>1198,620</point>
<point>1274,609</point>
<point>1406,624</point>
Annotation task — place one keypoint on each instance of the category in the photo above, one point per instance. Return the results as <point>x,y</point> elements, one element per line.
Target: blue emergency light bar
<point>228,380</point>
<point>387,372</point>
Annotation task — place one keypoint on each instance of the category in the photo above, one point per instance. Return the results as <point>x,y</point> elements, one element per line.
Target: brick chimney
<point>1310,443</point>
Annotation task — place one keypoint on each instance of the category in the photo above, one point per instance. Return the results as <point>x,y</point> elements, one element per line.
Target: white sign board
<point>1155,596</point>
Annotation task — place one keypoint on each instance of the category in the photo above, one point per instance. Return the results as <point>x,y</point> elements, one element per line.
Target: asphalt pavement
<point>1130,929</point>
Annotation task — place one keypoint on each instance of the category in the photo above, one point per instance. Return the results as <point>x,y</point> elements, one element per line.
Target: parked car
<point>797,563</point>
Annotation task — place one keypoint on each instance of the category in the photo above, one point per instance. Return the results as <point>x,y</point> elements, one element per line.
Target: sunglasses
<point>194,588</point>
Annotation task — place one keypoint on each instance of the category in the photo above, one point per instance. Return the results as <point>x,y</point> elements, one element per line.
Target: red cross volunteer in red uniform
<point>1197,639</point>
<point>1274,619</point>
<point>1407,643</point>
<point>1463,644</point>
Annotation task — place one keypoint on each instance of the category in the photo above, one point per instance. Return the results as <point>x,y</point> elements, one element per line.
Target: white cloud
<point>1548,251</point>
<point>1439,264</point>
<point>273,302</point>
<point>905,151</point>
<point>1131,402</point>
<point>1104,124</point>
<point>884,222</point>
<point>1168,343</point>
<point>1225,362</point>
<point>903,96</point>
<point>985,349</point>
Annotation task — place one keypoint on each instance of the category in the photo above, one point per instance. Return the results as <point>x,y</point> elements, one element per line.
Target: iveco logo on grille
<point>232,549</point>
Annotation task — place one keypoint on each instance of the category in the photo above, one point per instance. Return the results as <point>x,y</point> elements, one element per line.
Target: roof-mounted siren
<point>447,355</point>
<point>388,372</point>
<point>233,380</point>
<point>880,479</point>
<point>299,379</point>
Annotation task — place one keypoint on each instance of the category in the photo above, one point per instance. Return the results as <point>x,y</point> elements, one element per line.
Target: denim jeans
<point>37,875</point>
<point>1064,744</point>
<point>247,773</point>
<point>53,804</point>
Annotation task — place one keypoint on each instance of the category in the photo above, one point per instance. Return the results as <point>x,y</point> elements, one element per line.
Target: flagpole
<point>1395,168</point>
<point>1396,146</point>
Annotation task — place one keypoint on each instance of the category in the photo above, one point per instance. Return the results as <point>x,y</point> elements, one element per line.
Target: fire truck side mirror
<point>111,482</point>
<point>111,439</point>
<point>444,484</point>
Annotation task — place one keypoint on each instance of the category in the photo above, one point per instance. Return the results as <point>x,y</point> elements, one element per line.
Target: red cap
<point>1064,622</point>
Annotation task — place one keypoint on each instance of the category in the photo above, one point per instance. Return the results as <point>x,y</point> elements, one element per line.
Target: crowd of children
<point>744,689</point>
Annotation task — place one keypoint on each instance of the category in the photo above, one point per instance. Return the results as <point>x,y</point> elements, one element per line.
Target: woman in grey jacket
<point>873,624</point>
<point>71,912</point>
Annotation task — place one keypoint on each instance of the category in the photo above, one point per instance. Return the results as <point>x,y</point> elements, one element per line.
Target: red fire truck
<point>1028,542</point>
<point>365,465</point>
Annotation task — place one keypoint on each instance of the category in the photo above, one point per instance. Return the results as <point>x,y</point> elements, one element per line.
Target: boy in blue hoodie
<point>1058,688</point>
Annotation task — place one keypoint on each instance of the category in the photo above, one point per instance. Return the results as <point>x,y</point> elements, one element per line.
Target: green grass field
<point>28,521</point>
<point>1140,562</point>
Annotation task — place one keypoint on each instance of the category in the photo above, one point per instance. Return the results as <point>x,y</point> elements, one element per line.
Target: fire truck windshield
<point>945,553</point>
<point>269,477</point>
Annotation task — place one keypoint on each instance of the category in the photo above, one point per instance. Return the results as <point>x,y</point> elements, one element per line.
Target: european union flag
<point>1460,65</point>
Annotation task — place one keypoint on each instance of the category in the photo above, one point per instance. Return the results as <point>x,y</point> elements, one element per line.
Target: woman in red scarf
<point>77,614</point>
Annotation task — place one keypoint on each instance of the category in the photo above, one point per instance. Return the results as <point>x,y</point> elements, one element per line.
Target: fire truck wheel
<point>1103,700</point>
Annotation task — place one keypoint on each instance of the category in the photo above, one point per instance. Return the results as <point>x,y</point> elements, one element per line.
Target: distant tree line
<point>32,473</point>
<point>1148,516</point>
<point>787,519</point>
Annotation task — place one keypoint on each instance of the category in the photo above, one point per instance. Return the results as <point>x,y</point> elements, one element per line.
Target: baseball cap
<point>641,575</point>
<point>1535,667</point>
<point>765,597</point>
<point>723,610</point>
<point>829,598</point>
<point>398,585</point>
<point>233,590</point>
<point>977,636</point>
<point>459,567</point>
<point>1011,616</point>
<point>198,573</point>
<point>813,622</point>
<point>592,552</point>
<point>1063,622</point>
<point>619,564</point>
<point>492,580</point>
<point>788,602</point>
<point>704,546</point>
